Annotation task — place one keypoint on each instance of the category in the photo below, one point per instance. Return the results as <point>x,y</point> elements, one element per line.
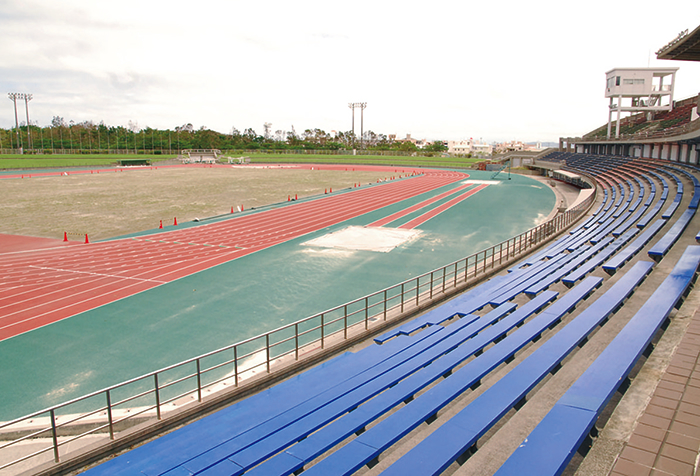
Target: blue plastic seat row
<point>454,437</point>
<point>371,443</point>
<point>301,451</point>
<point>571,278</point>
<point>614,263</point>
<point>586,253</point>
<point>661,247</point>
<point>550,446</point>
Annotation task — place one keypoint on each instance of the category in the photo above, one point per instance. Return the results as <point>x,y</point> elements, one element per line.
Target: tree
<point>58,121</point>
<point>408,146</point>
<point>437,146</point>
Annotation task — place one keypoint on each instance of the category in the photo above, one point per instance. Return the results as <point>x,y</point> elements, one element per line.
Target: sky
<point>439,70</point>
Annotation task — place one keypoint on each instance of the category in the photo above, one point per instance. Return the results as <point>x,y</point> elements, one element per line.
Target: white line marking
<point>97,274</point>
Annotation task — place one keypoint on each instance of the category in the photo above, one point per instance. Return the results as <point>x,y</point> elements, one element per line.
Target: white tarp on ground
<point>365,238</point>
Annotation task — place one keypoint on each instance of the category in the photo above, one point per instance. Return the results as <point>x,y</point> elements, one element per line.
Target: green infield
<point>36,161</point>
<point>416,161</point>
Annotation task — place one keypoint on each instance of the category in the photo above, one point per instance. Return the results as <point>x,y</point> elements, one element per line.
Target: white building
<point>465,147</point>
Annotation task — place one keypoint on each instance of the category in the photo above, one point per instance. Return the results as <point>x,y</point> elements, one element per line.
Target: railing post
<point>345,321</point>
<point>235,365</point>
<point>431,287</point>
<point>402,294</point>
<point>157,391</point>
<point>418,287</point>
<point>366,313</point>
<point>323,332</point>
<point>109,415</point>
<point>199,381</point>
<point>520,243</point>
<point>296,341</point>
<point>54,435</point>
<point>455,285</point>
<point>267,351</point>
<point>444,277</point>
<point>385,304</point>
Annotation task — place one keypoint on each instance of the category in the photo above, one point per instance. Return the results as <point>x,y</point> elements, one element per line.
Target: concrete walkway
<point>666,439</point>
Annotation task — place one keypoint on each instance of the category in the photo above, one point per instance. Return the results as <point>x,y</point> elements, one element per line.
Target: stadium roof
<point>685,47</point>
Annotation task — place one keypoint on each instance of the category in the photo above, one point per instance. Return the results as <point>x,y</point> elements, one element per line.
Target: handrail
<point>105,410</point>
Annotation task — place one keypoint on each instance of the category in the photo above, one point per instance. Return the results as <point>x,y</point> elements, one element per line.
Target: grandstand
<point>578,359</point>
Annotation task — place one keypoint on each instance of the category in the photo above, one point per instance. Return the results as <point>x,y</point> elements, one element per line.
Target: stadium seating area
<point>433,393</point>
<point>662,123</point>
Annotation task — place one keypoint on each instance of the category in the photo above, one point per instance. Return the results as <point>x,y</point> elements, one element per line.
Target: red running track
<point>43,286</point>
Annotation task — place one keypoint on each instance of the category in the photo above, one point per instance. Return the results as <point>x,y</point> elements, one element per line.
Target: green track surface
<point>247,297</point>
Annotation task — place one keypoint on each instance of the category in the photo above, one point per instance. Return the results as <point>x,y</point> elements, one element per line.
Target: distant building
<point>465,147</point>
<point>517,146</point>
<point>420,143</point>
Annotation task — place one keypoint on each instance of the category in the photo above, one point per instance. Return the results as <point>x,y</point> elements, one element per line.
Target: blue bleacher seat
<point>452,438</point>
<point>551,445</point>
<point>614,263</point>
<point>661,247</point>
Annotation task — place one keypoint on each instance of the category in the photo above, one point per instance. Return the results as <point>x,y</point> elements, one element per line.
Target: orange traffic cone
<point>65,236</point>
<point>86,238</point>
<point>161,224</point>
<point>175,221</point>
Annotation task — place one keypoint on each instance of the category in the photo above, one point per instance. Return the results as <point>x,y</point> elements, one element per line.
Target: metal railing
<point>108,411</point>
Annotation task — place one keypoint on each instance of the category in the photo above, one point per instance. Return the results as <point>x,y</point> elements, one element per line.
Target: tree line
<point>88,137</point>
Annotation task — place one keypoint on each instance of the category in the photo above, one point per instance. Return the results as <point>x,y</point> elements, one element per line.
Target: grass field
<point>15,162</point>
<point>449,162</point>
<point>112,204</point>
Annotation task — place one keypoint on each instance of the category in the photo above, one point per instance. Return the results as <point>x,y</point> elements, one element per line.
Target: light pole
<point>14,97</point>
<point>362,106</point>
<point>27,98</point>
<point>351,105</point>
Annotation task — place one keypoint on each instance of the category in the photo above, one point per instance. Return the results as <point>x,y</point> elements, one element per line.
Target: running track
<point>42,286</point>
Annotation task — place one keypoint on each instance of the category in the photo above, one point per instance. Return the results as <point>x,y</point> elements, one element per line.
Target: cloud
<point>530,71</point>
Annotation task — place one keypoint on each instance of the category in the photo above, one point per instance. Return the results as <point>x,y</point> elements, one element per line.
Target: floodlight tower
<point>13,97</point>
<point>351,105</point>
<point>27,98</point>
<point>362,106</point>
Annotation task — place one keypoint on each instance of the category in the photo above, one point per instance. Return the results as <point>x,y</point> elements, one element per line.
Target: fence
<point>107,412</point>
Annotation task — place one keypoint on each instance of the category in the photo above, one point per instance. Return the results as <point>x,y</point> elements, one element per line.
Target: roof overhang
<point>686,47</point>
<point>570,175</point>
